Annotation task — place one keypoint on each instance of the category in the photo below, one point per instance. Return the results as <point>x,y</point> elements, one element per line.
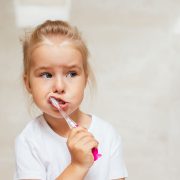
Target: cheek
<point>39,89</point>
<point>39,85</point>
<point>78,93</point>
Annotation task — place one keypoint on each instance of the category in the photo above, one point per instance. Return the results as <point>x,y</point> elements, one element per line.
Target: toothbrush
<point>69,121</point>
<point>72,124</point>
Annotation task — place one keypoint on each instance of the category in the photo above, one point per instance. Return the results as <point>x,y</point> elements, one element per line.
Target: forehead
<point>56,54</point>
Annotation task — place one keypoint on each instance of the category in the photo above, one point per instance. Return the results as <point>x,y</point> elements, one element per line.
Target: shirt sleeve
<point>28,164</point>
<point>117,165</point>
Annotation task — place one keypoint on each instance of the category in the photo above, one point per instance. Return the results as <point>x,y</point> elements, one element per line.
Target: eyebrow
<point>42,68</point>
<point>66,66</point>
<point>74,66</point>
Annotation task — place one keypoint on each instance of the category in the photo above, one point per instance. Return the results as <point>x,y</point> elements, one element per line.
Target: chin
<point>52,115</point>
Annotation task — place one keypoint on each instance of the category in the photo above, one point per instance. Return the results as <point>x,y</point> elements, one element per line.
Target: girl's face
<point>56,71</point>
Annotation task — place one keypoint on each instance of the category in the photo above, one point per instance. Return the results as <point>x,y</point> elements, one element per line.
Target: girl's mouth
<point>63,104</point>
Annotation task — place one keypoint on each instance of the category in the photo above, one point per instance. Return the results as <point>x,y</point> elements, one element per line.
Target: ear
<point>86,78</point>
<point>27,83</point>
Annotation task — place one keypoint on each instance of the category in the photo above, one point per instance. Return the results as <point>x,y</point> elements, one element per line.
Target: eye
<point>46,75</point>
<point>71,74</point>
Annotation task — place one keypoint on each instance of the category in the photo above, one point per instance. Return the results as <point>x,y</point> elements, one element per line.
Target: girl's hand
<point>80,143</point>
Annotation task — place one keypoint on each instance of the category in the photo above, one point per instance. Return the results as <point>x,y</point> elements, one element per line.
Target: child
<point>56,65</point>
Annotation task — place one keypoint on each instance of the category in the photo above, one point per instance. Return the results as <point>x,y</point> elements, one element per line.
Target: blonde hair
<point>55,29</point>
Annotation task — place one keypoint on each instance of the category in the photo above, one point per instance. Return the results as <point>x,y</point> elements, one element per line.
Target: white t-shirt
<point>43,154</point>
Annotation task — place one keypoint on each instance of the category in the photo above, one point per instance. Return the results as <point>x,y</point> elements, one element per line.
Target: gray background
<point>135,53</point>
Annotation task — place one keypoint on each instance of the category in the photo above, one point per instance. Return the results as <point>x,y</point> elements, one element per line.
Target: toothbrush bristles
<point>54,102</point>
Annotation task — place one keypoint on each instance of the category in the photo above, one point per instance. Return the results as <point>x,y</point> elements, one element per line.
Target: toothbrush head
<point>54,102</point>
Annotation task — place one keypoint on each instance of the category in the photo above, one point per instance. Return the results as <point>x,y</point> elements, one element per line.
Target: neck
<point>61,127</point>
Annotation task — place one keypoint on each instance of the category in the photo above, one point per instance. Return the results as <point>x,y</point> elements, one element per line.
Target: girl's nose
<point>59,85</point>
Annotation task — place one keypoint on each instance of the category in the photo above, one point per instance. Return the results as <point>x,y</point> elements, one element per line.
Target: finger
<point>76,136</point>
<point>86,143</point>
<point>80,139</point>
<point>91,144</point>
<point>74,131</point>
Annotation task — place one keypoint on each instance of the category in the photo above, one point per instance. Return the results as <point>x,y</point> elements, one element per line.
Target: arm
<point>73,172</point>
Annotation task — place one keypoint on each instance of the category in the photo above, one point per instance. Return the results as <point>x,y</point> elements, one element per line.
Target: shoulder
<point>102,124</point>
<point>105,128</point>
<point>32,130</point>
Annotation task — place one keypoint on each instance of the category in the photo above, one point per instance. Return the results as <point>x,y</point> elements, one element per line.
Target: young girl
<point>56,65</point>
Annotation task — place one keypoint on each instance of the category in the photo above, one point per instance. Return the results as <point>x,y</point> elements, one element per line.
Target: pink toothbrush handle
<point>95,153</point>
